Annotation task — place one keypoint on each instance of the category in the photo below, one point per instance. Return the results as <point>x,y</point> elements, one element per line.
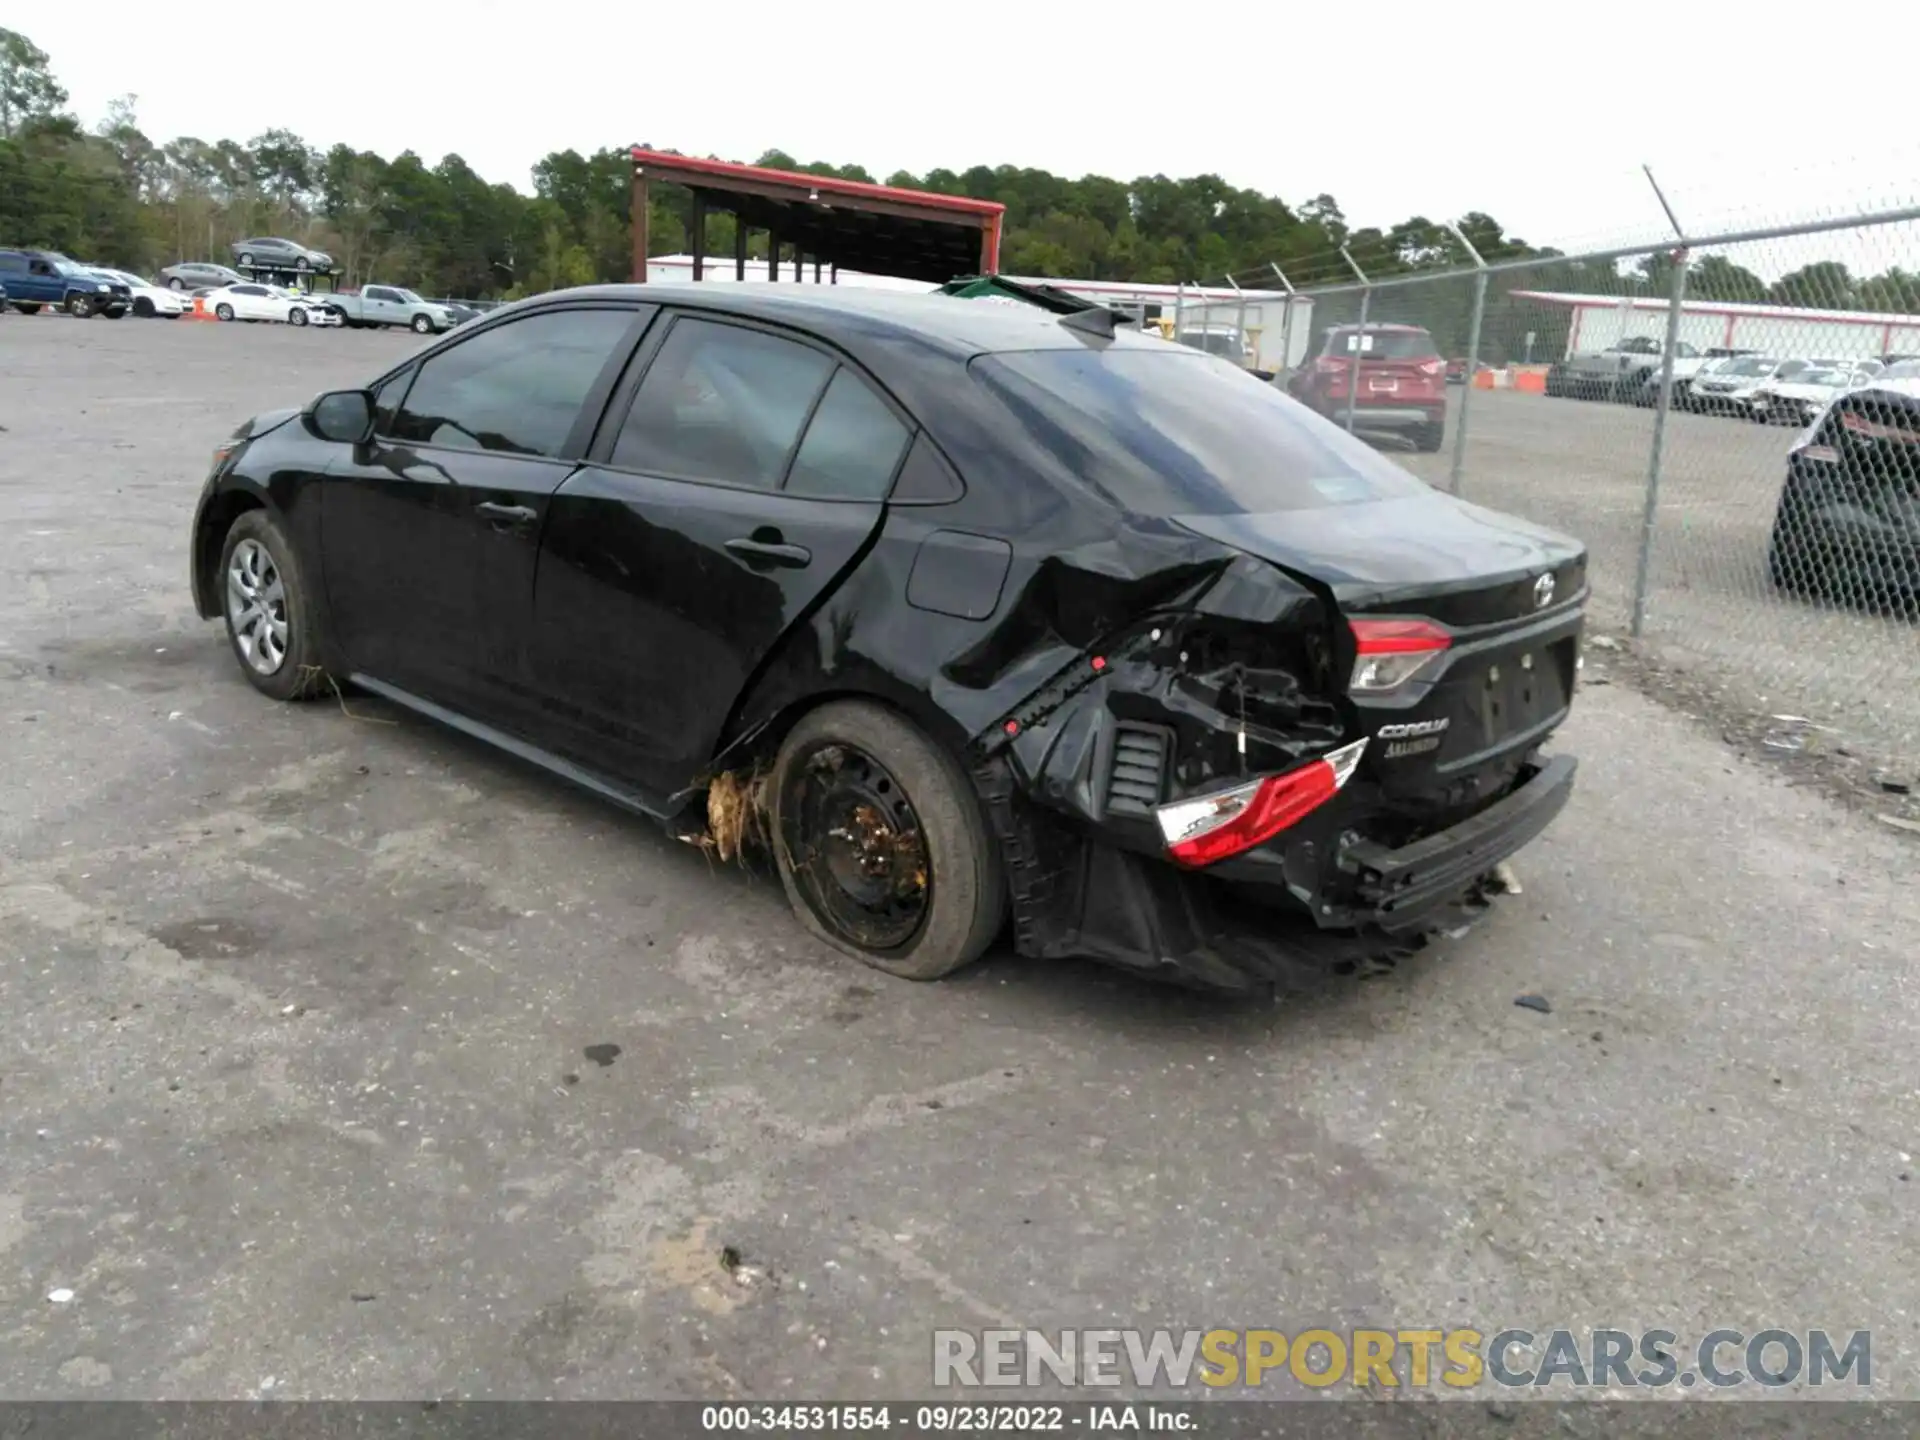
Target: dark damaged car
<point>1848,523</point>
<point>981,619</point>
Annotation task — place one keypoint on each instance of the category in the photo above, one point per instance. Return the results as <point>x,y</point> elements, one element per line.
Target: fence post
<point>1644,570</point>
<point>1286,326</point>
<point>1359,339</point>
<point>1180,311</point>
<point>1473,359</point>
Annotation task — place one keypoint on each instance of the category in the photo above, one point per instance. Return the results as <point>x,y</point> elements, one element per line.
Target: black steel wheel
<point>881,843</point>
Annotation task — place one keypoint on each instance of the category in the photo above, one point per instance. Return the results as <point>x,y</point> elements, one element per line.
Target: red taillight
<point>1227,822</point>
<point>1388,653</point>
<point>1437,367</point>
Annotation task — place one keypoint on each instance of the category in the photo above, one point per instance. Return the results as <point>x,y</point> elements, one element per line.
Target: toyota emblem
<point>1543,592</point>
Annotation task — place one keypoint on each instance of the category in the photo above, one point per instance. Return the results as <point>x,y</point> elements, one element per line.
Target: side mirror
<point>343,416</point>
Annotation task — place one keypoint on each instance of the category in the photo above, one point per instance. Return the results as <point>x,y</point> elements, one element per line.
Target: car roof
<point>1382,325</point>
<point>962,328</point>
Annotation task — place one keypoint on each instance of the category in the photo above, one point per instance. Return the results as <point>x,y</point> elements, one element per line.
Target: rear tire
<point>273,622</point>
<point>223,311</point>
<point>246,262</point>
<point>27,307</point>
<point>861,801</point>
<point>176,283</point>
<point>1429,438</point>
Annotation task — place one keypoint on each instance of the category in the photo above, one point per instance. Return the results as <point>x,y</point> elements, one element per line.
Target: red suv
<point>1402,381</point>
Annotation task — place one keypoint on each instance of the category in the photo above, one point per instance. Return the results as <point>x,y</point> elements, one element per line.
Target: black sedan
<point>1848,522</point>
<point>969,614</point>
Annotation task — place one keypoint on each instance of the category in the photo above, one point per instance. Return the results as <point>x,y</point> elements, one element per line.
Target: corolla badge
<point>1543,592</point>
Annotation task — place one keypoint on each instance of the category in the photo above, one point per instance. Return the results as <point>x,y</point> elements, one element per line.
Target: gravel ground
<point>348,1059</point>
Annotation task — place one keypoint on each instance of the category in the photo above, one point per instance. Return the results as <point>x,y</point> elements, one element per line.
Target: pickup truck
<point>1620,371</point>
<point>376,305</point>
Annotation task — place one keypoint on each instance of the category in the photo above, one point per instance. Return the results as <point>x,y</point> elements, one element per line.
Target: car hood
<point>1377,553</point>
<point>258,425</point>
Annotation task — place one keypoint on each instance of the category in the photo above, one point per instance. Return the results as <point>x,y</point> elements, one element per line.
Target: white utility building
<point>1783,330</point>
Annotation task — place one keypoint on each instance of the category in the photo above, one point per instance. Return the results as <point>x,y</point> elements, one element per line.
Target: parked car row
<point>1768,389</point>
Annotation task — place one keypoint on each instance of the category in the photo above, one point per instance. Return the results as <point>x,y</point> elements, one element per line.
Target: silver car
<point>198,275</point>
<point>272,253</point>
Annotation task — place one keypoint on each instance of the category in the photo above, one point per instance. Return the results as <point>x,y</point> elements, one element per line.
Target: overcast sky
<point>1540,118</point>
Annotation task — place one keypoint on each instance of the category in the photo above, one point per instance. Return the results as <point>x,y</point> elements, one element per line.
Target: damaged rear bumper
<point>1241,926</point>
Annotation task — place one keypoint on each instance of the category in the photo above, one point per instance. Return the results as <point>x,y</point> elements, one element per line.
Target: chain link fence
<point>1730,423</point>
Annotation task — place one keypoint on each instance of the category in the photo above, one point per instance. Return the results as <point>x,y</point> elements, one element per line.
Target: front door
<point>429,533</point>
<point>745,477</point>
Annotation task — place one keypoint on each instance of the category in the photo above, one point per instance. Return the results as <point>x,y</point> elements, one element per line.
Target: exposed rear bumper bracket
<point>1403,887</point>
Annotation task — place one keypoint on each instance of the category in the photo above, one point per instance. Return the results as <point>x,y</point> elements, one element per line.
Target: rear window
<point>1381,344</point>
<point>1168,431</point>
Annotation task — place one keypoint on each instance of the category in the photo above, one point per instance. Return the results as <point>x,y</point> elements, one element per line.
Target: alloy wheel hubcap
<point>257,607</point>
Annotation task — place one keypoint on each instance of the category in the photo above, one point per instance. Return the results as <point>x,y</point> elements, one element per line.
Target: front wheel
<point>80,306</point>
<point>301,265</point>
<point>297,317</point>
<point>271,621</point>
<point>143,307</point>
<point>422,325</point>
<point>881,843</point>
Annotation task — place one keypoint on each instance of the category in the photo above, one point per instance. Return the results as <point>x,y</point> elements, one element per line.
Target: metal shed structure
<point>823,221</point>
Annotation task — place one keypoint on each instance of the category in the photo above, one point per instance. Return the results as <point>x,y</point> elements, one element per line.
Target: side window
<point>387,398</point>
<point>853,444</point>
<point>376,292</point>
<point>720,402</point>
<point>39,267</point>
<point>516,388</point>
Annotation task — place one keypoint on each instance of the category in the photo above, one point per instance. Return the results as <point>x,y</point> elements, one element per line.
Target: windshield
<point>1165,431</point>
<point>1902,370</point>
<point>1750,367</point>
<point>1375,344</point>
<point>1820,377</point>
<point>409,297</point>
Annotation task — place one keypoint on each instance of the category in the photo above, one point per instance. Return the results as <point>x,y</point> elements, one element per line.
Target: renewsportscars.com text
<point>1401,1359</point>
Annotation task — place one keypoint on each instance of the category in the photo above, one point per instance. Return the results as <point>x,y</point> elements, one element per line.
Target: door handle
<point>506,517</point>
<point>772,552</point>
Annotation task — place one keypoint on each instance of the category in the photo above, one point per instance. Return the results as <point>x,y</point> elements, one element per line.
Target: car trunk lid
<point>1505,597</point>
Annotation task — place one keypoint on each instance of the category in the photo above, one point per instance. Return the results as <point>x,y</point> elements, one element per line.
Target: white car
<point>253,301</point>
<point>150,301</point>
<point>1799,400</point>
<point>1730,389</point>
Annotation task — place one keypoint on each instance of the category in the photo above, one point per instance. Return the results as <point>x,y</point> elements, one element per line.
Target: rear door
<point>430,532</point>
<point>743,478</point>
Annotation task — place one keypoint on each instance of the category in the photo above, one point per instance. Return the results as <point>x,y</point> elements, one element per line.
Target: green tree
<point>28,91</point>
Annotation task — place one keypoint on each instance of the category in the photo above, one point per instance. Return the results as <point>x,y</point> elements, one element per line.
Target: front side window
<point>517,388</point>
<point>722,403</point>
<point>386,400</point>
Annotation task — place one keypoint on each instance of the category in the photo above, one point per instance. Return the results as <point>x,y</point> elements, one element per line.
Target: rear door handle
<point>506,517</point>
<point>793,557</point>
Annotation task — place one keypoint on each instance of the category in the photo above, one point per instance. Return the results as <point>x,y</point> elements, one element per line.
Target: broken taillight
<point>1388,653</point>
<point>1213,827</point>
